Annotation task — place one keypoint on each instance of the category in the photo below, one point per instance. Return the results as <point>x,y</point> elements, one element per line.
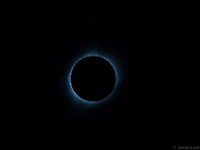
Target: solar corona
<point>83,89</point>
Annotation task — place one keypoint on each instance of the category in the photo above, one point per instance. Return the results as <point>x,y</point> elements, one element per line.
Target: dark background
<point>156,101</point>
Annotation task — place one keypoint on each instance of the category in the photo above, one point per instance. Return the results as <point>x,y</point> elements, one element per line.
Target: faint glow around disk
<point>76,98</point>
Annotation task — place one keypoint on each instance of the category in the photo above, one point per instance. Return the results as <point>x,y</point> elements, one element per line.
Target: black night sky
<point>155,103</point>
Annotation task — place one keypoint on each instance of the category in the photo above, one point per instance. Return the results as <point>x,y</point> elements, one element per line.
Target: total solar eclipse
<point>93,78</point>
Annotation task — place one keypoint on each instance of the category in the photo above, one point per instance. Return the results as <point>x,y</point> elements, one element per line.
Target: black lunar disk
<point>93,78</point>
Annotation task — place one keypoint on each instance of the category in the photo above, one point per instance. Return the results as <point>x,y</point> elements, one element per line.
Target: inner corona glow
<point>79,100</point>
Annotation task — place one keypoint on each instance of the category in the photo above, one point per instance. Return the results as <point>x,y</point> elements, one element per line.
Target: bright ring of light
<point>79,100</point>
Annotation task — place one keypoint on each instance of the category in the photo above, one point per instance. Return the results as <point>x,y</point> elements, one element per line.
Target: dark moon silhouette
<point>93,78</point>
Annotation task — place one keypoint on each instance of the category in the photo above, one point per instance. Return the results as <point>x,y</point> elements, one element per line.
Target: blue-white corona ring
<point>71,94</point>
